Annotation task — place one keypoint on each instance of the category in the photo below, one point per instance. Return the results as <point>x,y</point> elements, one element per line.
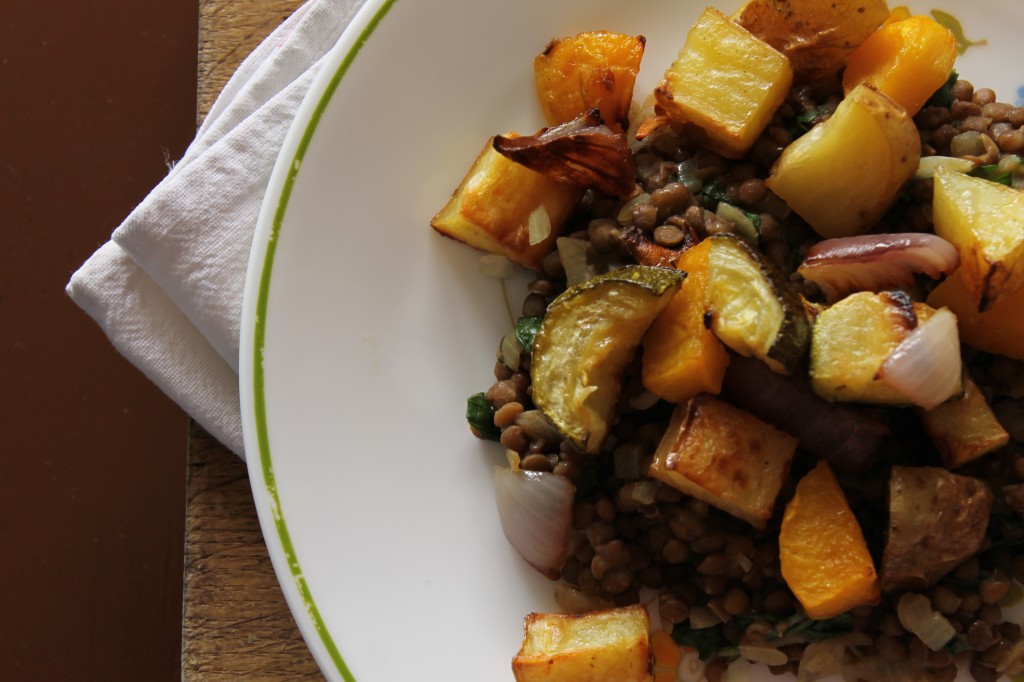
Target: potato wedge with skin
<point>725,81</point>
<point>937,520</point>
<point>724,456</point>
<point>851,339</point>
<point>964,429</point>
<point>846,172</point>
<point>816,36</point>
<point>984,220</point>
<point>613,644</point>
<point>589,335</point>
<point>495,203</point>
<point>593,70</point>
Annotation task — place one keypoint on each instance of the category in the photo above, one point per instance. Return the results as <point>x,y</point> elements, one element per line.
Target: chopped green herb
<point>957,645</point>
<point>943,97</point>
<point>830,627</point>
<point>480,416</point>
<point>804,121</point>
<point>709,642</point>
<point>714,193</point>
<point>992,172</point>
<point>526,331</point>
<point>953,24</point>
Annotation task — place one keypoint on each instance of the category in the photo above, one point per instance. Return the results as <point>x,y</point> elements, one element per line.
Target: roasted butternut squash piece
<point>816,36</point>
<point>964,429</point>
<point>725,456</point>
<point>907,60</point>
<point>998,329</point>
<point>851,339</point>
<point>846,172</point>
<point>983,220</point>
<point>593,70</point>
<point>822,552</point>
<point>612,644</point>
<point>937,520</point>
<point>727,82</point>
<point>682,357</point>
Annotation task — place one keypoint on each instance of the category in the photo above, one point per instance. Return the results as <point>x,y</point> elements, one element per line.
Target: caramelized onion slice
<point>926,366</point>
<point>535,510</point>
<point>875,262</point>
<point>583,152</point>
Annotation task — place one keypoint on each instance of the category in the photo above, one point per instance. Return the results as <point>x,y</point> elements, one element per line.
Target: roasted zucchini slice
<point>589,335</point>
<point>753,309</point>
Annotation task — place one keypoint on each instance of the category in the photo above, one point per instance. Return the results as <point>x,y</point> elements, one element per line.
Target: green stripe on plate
<point>259,400</point>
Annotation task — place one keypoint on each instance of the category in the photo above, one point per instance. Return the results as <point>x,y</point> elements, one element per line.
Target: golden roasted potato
<point>725,456</point>
<point>846,172</point>
<point>851,339</point>
<point>599,646</point>
<point>816,36</point>
<point>725,81</point>
<point>964,429</point>
<point>983,220</point>
<point>505,208</point>
<point>592,70</point>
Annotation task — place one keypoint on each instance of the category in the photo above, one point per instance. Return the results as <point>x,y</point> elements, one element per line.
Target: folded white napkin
<point>167,288</point>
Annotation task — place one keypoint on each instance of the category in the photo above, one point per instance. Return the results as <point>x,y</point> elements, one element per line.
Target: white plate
<point>364,331</point>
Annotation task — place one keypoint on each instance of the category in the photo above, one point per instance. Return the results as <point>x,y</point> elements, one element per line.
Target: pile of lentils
<point>635,533</point>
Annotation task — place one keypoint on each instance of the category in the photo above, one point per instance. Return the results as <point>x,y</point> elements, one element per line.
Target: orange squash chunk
<point>825,560</point>
<point>682,357</point>
<point>596,69</point>
<point>999,329</point>
<point>907,60</point>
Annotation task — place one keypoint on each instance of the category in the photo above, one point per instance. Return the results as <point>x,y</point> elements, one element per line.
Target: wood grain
<point>235,622</point>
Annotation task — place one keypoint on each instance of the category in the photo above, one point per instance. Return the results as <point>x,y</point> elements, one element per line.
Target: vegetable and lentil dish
<point>767,379</point>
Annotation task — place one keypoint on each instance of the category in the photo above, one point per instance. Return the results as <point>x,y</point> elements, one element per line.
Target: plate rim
<point>259,462</point>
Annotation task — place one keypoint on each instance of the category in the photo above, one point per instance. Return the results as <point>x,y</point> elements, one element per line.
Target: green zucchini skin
<point>754,310</point>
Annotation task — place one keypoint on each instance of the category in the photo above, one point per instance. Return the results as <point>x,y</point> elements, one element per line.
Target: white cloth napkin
<point>167,288</point>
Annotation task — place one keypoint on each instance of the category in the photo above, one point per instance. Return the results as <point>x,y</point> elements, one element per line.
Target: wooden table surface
<point>235,622</point>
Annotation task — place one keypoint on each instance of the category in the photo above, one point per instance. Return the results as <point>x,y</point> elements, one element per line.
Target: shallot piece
<point>926,365</point>
<point>875,262</point>
<point>583,152</point>
<point>535,510</point>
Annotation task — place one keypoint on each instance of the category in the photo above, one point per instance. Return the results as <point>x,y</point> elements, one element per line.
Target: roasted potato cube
<point>816,36</point>
<point>851,339</point>
<point>964,429</point>
<point>984,220</point>
<point>937,520</point>
<point>726,81</point>
<point>592,70</point>
<point>505,208</point>
<point>846,172</point>
<point>725,456</point>
<point>599,646</point>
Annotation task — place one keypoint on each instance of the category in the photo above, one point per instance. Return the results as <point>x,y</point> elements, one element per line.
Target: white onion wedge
<point>535,510</point>
<point>926,366</point>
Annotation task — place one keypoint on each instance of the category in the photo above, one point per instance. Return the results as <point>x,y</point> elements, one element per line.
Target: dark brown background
<point>96,99</point>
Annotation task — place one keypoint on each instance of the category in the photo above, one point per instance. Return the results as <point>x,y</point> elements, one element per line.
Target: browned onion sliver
<point>875,262</point>
<point>583,153</point>
<point>926,366</point>
<point>535,510</point>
